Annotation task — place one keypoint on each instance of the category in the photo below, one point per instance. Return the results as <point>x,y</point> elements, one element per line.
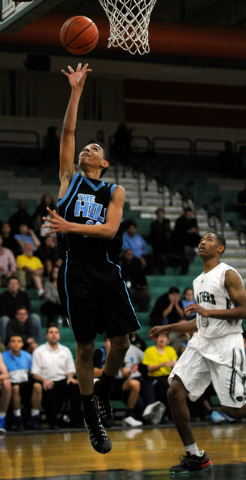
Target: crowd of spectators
<point>39,373</point>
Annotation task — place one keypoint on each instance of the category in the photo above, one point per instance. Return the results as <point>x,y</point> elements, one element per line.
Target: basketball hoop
<point>129,23</point>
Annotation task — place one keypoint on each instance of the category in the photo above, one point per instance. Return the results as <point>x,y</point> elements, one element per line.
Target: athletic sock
<point>34,412</point>
<point>88,403</point>
<point>193,449</point>
<point>17,413</point>
<point>105,384</point>
<point>2,414</point>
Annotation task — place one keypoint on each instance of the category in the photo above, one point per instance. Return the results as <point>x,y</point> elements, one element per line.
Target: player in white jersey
<point>214,353</point>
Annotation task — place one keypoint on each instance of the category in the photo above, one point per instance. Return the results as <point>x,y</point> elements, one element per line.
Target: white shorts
<point>227,376</point>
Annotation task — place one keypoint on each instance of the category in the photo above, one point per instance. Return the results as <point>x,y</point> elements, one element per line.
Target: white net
<point>129,24</point>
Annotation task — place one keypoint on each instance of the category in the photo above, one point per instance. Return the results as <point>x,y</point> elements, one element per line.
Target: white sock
<point>193,449</point>
<point>17,413</point>
<point>34,412</point>
<point>2,414</point>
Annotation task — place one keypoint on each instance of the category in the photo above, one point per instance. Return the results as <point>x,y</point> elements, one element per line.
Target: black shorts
<point>96,298</point>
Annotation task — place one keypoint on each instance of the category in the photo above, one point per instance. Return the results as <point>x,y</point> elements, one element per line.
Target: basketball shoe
<point>191,463</point>
<point>98,436</point>
<point>104,406</point>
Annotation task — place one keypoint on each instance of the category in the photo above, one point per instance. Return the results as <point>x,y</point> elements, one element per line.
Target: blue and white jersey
<point>18,366</point>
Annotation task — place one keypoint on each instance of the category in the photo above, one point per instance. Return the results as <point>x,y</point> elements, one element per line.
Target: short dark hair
<point>173,290</point>
<point>220,239</point>
<point>51,326</point>
<point>12,278</point>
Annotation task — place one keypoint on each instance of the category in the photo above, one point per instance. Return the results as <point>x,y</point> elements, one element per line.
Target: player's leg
<point>133,386</point>
<point>177,394</point>
<point>85,375</point>
<point>5,395</point>
<point>16,404</point>
<point>113,362</point>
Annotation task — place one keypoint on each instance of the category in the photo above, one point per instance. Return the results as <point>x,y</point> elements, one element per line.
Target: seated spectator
<point>51,147</point>
<point>241,203</point>
<point>8,239</point>
<point>20,216</point>
<point>168,308</point>
<point>121,147</point>
<point>22,325</point>
<point>129,384</point>
<point>51,305</point>
<point>48,254</point>
<point>187,299</point>
<point>226,161</point>
<point>134,241</point>
<point>24,391</point>
<point>30,269</point>
<point>136,340</point>
<point>10,300</point>
<point>54,367</point>
<point>7,264</point>
<point>40,212</point>
<point>27,235</point>
<point>5,394</point>
<point>133,274</point>
<point>187,229</point>
<point>160,233</point>
<point>160,359</point>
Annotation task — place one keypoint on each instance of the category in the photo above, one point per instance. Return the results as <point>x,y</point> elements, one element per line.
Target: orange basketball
<point>79,35</point>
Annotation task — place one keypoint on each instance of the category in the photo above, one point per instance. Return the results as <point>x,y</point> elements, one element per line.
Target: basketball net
<point>129,23</point>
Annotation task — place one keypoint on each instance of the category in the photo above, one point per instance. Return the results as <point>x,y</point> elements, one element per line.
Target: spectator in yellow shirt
<point>30,269</point>
<point>160,359</point>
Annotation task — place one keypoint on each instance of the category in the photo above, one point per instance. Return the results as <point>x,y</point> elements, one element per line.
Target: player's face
<point>91,155</point>
<point>209,246</point>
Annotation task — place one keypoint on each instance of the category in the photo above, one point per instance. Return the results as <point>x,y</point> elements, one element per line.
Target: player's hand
<point>196,308</point>
<point>155,331</point>
<point>77,78</point>
<point>56,223</point>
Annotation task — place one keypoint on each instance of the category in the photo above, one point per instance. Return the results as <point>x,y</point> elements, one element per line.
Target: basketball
<point>79,35</point>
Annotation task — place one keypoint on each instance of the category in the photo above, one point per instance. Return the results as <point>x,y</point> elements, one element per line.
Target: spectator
<point>187,299</point>
<point>20,216</point>
<point>24,391</point>
<point>134,241</point>
<point>8,239</point>
<point>227,160</point>
<point>241,203</point>
<point>48,254</point>
<point>54,367</point>
<point>27,235</point>
<point>136,340</point>
<point>121,147</point>
<point>51,147</point>
<point>41,211</point>
<point>160,359</point>
<point>22,325</point>
<point>10,300</point>
<point>168,308</point>
<point>7,263</point>
<point>30,269</point>
<point>129,384</point>
<point>51,305</point>
<point>186,228</point>
<point>5,394</point>
<point>160,234</point>
<point>133,274</point>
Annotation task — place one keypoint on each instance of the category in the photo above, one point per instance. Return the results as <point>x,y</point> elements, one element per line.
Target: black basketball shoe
<point>104,407</point>
<point>98,436</point>
<point>191,463</point>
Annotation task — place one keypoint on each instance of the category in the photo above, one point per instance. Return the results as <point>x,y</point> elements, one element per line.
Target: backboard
<point>15,15</point>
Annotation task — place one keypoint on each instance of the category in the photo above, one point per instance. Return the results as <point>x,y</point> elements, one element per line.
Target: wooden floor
<point>137,454</point>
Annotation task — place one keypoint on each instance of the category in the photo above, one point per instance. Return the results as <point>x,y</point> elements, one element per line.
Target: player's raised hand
<point>56,223</point>
<point>77,77</point>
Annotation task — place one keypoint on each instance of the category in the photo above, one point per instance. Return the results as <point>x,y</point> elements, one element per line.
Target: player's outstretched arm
<point>76,79</point>
<point>105,230</point>
<point>180,327</point>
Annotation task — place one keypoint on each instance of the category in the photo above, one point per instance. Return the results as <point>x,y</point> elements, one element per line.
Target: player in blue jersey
<point>89,281</point>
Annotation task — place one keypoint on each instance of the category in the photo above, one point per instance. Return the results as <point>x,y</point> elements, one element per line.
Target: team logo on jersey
<point>86,207</point>
<point>205,297</point>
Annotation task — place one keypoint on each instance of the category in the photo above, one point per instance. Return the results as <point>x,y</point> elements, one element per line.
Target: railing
<point>172,145</point>
<point>19,138</point>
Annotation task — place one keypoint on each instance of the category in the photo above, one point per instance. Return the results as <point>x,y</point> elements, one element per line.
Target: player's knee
<point>175,392</point>
<point>84,351</point>
<point>122,342</point>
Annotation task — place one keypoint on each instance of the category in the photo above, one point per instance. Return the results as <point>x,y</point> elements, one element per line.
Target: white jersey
<point>210,292</point>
